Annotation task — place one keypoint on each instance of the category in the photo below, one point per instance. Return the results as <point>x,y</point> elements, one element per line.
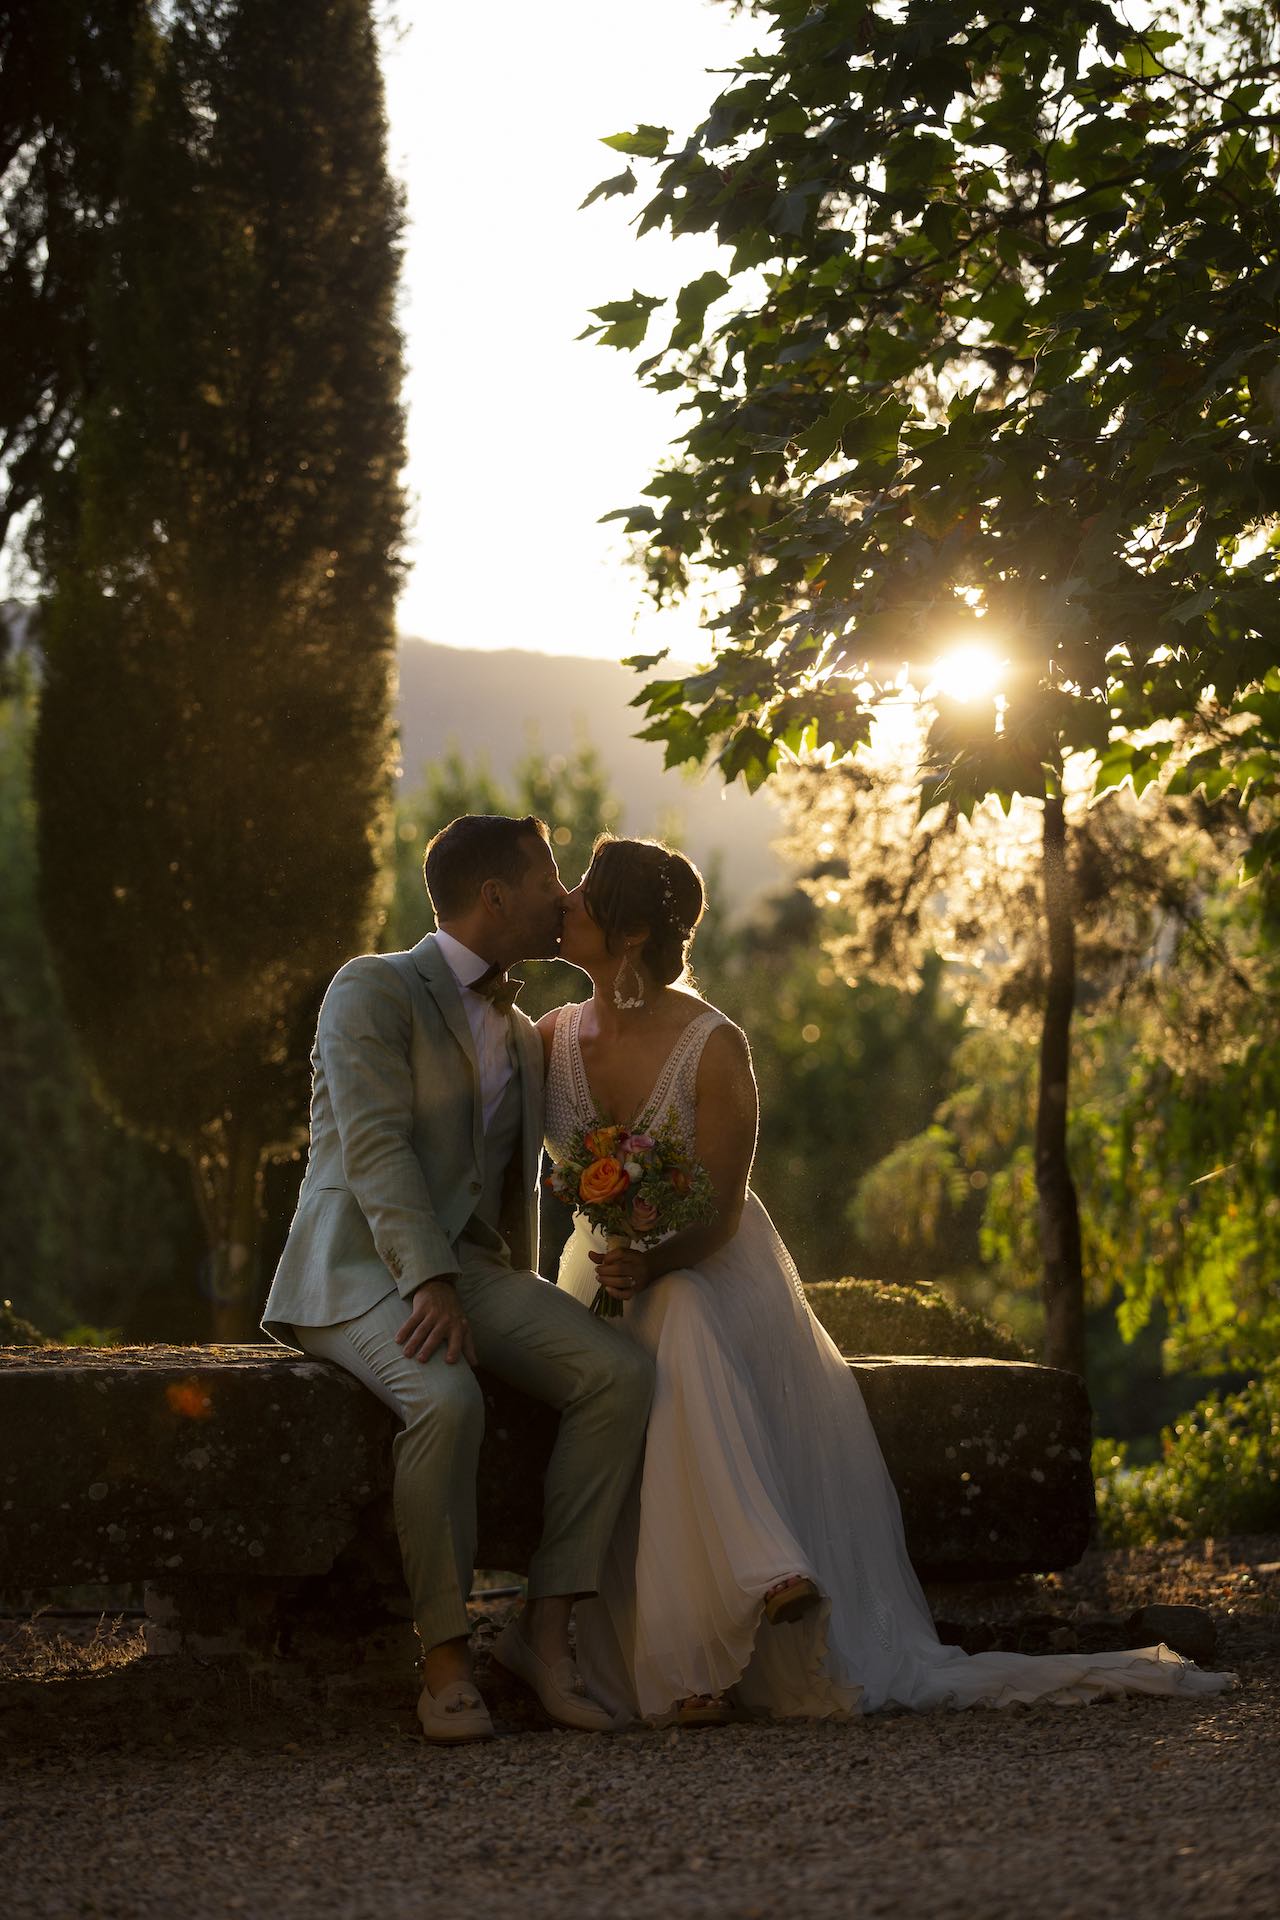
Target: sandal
<point>790,1601</point>
<point>703,1710</point>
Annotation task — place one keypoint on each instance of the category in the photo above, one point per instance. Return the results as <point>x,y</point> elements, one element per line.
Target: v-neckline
<point>657,1092</point>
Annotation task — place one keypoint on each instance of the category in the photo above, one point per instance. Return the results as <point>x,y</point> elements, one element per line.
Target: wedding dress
<point>761,1462</point>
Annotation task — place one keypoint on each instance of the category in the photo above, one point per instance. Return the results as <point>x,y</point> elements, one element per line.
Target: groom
<point>410,1260</point>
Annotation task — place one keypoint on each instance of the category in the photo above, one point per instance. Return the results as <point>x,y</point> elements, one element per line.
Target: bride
<point>760,1563</point>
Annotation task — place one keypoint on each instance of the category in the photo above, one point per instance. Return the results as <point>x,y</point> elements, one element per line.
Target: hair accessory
<point>669,895</point>
<point>626,995</point>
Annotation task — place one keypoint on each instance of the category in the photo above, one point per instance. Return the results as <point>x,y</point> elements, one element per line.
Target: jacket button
<point>476,1186</point>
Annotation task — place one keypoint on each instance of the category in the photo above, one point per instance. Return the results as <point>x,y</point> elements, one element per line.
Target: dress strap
<point>570,1020</point>
<point>561,1051</point>
<point>681,1069</point>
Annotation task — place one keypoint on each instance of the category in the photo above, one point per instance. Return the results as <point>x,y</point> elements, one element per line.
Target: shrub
<point>1220,1473</point>
<point>875,1316</point>
<point>17,1332</point>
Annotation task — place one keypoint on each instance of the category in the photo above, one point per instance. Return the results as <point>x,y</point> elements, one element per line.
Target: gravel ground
<point>141,1787</point>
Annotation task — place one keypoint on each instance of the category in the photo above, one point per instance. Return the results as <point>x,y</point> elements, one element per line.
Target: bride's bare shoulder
<point>699,1006</point>
<point>726,1045</point>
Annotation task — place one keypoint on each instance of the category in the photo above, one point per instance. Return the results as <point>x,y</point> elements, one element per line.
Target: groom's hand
<point>436,1320</point>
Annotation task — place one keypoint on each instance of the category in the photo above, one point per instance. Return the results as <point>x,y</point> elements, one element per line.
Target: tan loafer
<point>454,1714</point>
<point>559,1687</point>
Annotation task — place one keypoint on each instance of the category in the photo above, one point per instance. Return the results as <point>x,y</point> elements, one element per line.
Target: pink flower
<point>637,1143</point>
<point>644,1215</point>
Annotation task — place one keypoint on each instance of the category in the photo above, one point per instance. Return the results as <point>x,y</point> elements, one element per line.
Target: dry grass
<point>1235,1580</point>
<point>52,1647</point>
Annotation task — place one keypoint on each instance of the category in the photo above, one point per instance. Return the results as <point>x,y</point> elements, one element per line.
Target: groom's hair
<point>472,849</point>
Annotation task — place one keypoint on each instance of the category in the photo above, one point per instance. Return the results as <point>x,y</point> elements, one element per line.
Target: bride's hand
<point>623,1273</point>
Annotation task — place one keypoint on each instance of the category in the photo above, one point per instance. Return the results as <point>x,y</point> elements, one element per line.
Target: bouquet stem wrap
<point>604,1305</point>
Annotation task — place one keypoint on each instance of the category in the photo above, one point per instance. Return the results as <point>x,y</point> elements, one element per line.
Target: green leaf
<point>691,307</point>
<point>790,119</point>
<point>791,209</point>
<point>1262,856</point>
<point>751,754</point>
<point>620,183</point>
<point>639,519</point>
<point>822,439</point>
<point>1139,56</point>
<point>647,143</point>
<point>1114,767</point>
<point>1192,608</point>
<point>1144,774</point>
<point>938,223</point>
<point>625,321</point>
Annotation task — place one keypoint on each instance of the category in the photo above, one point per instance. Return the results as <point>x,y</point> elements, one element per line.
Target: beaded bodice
<point>569,1100</point>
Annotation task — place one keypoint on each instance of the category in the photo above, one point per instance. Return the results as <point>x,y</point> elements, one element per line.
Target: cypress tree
<point>214,745</point>
<point>65,81</point>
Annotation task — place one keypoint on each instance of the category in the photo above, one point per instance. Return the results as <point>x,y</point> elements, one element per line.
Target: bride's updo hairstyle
<point>640,883</point>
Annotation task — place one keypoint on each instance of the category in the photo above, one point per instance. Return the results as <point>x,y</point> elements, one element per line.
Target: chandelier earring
<point>628,994</point>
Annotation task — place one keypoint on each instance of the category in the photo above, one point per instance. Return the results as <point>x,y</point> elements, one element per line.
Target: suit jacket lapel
<point>437,973</point>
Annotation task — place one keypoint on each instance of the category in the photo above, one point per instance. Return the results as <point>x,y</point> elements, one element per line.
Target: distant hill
<point>497,704</point>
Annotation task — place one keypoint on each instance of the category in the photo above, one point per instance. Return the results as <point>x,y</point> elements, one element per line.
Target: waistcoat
<point>500,1141</point>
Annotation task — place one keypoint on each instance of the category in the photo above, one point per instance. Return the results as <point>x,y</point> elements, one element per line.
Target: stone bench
<point>249,1488</point>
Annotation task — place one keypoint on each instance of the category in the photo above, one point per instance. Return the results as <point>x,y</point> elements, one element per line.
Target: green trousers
<point>547,1344</point>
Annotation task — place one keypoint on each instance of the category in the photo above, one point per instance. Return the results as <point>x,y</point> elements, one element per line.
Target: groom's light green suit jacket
<point>397,1144</point>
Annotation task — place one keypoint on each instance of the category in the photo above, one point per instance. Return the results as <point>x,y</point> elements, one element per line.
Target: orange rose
<point>680,1180</point>
<point>603,1180</point>
<point>601,1142</point>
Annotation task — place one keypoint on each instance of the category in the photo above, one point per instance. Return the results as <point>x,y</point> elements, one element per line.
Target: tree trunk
<point>232,1197</point>
<point>1063,1263</point>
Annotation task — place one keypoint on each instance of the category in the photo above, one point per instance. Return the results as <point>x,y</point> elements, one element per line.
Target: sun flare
<point>968,672</point>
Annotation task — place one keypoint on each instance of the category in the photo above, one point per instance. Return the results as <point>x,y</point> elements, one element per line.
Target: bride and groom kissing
<point>720,1529</point>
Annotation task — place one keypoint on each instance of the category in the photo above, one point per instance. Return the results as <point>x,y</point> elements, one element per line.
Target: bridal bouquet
<point>635,1188</point>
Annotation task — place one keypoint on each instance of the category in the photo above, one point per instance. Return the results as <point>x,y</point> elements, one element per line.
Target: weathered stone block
<point>182,1465</point>
<point>990,1459</point>
<point>171,1463</point>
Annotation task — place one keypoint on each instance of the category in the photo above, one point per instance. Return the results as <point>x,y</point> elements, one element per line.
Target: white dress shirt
<point>490,1030</point>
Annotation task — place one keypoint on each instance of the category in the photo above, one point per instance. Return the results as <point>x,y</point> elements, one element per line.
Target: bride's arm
<point>727,1115</point>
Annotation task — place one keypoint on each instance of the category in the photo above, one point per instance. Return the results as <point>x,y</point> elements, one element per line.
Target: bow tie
<point>498,987</point>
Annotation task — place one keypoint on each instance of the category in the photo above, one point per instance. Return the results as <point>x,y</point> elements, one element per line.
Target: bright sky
<point>520,437</point>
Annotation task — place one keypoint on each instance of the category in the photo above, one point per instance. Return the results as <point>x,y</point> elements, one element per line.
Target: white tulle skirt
<point>761,1462</point>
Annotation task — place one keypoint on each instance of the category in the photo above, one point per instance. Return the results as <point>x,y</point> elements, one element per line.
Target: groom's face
<point>535,906</point>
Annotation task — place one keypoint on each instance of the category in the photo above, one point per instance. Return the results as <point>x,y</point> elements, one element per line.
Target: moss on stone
<point>875,1316</point>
